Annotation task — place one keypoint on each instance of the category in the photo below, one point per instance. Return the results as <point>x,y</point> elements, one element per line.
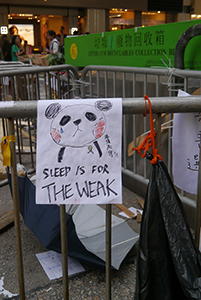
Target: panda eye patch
<point>64,120</point>
<point>90,116</point>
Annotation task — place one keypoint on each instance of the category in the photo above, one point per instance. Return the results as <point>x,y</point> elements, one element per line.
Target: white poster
<point>25,31</point>
<point>185,149</point>
<point>79,151</point>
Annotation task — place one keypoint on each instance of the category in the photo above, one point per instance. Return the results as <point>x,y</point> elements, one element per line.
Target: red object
<point>149,140</point>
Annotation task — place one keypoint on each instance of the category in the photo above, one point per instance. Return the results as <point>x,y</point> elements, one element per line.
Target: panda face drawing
<point>77,126</point>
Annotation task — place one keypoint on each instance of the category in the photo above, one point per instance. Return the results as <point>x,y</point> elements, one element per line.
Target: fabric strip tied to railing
<point>5,149</point>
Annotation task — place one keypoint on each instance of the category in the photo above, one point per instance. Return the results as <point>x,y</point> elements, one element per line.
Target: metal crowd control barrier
<point>113,81</point>
<point>21,82</point>
<point>131,106</point>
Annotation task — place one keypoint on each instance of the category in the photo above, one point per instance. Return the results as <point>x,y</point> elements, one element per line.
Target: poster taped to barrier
<point>79,151</point>
<point>186,149</point>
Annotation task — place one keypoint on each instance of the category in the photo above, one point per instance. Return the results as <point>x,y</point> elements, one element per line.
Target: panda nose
<point>77,122</point>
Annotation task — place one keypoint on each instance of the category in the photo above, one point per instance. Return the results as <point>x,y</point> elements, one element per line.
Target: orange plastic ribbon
<point>5,149</point>
<point>149,140</point>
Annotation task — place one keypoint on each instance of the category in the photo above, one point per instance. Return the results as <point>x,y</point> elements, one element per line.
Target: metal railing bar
<point>145,124</point>
<point>90,87</point>
<point>64,250</point>
<point>36,70</point>
<point>108,251</point>
<point>114,84</point>
<point>16,213</point>
<point>157,86</point>
<point>32,87</point>
<point>98,83</point>
<point>45,84</point>
<point>132,106</point>
<point>59,84</point>
<point>68,82</point>
<point>148,71</point>
<point>18,141</point>
<point>106,86</point>
<point>20,134</point>
<point>134,128</point>
<point>124,125</point>
<point>185,84</point>
<point>38,86</point>
<point>49,85</point>
<point>3,93</point>
<point>30,143</point>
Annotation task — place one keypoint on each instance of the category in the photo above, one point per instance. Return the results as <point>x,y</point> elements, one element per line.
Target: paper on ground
<point>133,210</point>
<point>51,262</point>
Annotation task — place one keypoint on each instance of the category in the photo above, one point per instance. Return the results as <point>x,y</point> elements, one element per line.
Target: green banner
<point>152,46</point>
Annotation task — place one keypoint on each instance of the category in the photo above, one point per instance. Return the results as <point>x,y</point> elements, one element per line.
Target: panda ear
<point>103,105</point>
<point>52,110</point>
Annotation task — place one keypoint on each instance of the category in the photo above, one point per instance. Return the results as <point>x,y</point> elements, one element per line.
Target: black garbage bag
<point>169,263</point>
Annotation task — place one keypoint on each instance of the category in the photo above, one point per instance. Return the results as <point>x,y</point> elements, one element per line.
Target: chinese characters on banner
<point>143,47</point>
<point>135,39</point>
<point>79,151</point>
<point>124,44</point>
<point>186,149</point>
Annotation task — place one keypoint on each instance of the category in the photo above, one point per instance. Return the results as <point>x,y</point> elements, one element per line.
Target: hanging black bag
<point>169,263</point>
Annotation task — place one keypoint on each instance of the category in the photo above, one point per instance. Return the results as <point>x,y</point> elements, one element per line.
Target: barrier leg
<point>64,250</point>
<point>108,251</point>
<point>158,131</point>
<point>16,212</point>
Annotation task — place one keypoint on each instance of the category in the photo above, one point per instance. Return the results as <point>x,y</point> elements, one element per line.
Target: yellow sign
<point>73,51</point>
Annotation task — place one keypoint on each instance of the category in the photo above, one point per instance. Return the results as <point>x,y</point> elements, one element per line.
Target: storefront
<point>33,28</point>
<point>121,19</point>
<point>33,22</point>
<point>125,18</point>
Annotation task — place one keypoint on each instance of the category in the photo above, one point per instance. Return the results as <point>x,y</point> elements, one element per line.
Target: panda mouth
<point>76,131</point>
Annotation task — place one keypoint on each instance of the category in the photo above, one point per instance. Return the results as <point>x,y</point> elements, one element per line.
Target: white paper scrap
<point>133,210</point>
<point>51,262</point>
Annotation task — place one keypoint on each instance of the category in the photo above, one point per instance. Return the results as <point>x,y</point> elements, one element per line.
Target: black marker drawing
<point>77,126</point>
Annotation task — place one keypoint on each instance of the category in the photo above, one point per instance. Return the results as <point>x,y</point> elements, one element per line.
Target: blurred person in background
<point>54,44</point>
<point>61,48</point>
<point>6,48</point>
<point>63,35</point>
<point>1,54</point>
<point>15,50</point>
